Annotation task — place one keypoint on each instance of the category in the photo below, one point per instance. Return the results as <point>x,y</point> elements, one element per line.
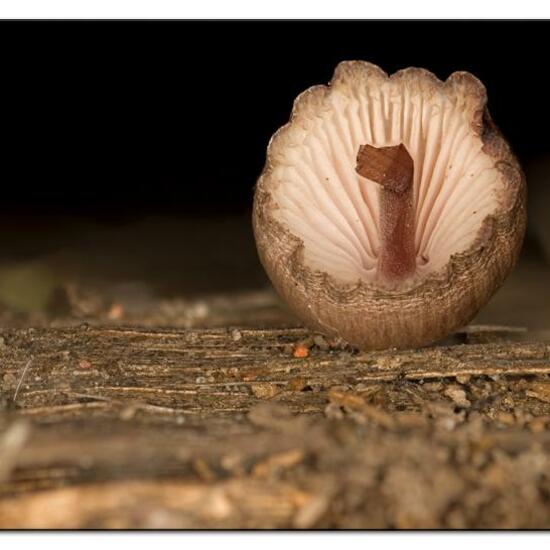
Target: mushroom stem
<point>393,169</point>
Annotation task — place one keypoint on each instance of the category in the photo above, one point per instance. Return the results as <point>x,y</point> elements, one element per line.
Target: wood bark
<point>125,427</point>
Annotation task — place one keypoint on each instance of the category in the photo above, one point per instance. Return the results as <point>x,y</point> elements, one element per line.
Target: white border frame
<point>262,9</point>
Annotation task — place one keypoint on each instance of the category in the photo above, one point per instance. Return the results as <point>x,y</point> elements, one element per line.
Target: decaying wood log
<point>126,427</point>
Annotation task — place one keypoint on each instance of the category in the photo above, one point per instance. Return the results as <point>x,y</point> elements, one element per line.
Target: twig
<point>29,362</point>
<point>62,408</point>
<point>137,405</point>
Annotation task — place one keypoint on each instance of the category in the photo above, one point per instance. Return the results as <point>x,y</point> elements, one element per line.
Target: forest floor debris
<point>142,427</point>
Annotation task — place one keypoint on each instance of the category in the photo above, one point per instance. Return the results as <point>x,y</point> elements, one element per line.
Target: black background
<point>116,120</point>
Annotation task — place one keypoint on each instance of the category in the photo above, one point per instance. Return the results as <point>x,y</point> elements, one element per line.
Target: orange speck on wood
<point>300,351</point>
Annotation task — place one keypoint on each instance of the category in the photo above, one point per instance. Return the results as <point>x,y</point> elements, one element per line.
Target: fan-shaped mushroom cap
<point>322,227</point>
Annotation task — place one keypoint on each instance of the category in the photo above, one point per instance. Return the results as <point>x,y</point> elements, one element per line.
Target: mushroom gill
<point>390,208</point>
<point>336,212</point>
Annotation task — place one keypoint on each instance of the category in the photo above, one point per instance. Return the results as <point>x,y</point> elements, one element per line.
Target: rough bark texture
<point>124,427</point>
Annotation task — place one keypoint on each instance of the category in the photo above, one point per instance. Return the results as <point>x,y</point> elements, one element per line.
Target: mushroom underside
<point>336,212</point>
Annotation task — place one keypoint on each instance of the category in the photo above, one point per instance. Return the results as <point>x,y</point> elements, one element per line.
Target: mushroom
<point>390,208</point>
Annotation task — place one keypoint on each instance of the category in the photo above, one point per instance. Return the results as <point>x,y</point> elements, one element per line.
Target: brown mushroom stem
<point>393,169</point>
